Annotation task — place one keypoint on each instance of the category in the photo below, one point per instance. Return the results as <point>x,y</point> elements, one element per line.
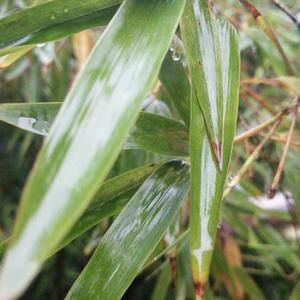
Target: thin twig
<point>288,12</point>
<point>250,160</point>
<point>284,154</point>
<point>257,129</point>
<point>283,140</point>
<point>258,98</point>
<point>264,26</point>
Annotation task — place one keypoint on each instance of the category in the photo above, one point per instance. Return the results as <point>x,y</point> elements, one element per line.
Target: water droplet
<point>176,56</point>
<point>230,180</point>
<point>53,16</point>
<point>40,45</point>
<point>66,9</point>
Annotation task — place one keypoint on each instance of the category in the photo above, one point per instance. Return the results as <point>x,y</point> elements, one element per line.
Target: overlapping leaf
<point>134,235</point>
<point>151,132</point>
<point>213,57</point>
<point>111,198</point>
<point>176,84</point>
<point>88,133</point>
<point>209,62</point>
<point>53,20</point>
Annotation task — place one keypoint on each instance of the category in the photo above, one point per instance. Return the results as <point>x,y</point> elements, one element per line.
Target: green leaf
<point>134,235</point>
<point>207,43</point>
<point>151,132</point>
<point>53,20</point>
<point>249,284</point>
<point>33,117</point>
<point>177,86</point>
<point>158,134</point>
<point>111,198</point>
<point>9,59</point>
<point>215,85</point>
<point>88,133</point>
<point>296,292</point>
<point>163,282</point>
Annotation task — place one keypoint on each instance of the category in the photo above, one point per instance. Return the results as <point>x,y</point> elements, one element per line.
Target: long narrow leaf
<point>208,60</point>
<point>111,198</point>
<point>175,81</point>
<point>151,132</point>
<point>219,80</point>
<point>88,133</point>
<point>159,134</point>
<point>134,234</point>
<point>53,20</point>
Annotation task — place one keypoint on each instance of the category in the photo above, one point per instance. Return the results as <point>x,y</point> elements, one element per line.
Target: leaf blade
<point>151,132</point>
<point>50,201</point>
<point>117,258</point>
<point>207,179</point>
<point>53,20</point>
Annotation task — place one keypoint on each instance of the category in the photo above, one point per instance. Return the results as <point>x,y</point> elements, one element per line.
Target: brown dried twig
<point>285,152</point>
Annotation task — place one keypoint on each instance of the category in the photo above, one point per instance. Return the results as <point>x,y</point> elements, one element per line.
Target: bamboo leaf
<point>151,132</point>
<point>33,117</point>
<point>88,133</point>
<point>158,134</point>
<point>296,292</point>
<point>134,235</point>
<point>111,198</point>
<point>249,284</point>
<point>175,81</point>
<point>9,59</point>
<point>53,20</point>
<point>164,280</point>
<point>204,37</point>
<point>214,88</point>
